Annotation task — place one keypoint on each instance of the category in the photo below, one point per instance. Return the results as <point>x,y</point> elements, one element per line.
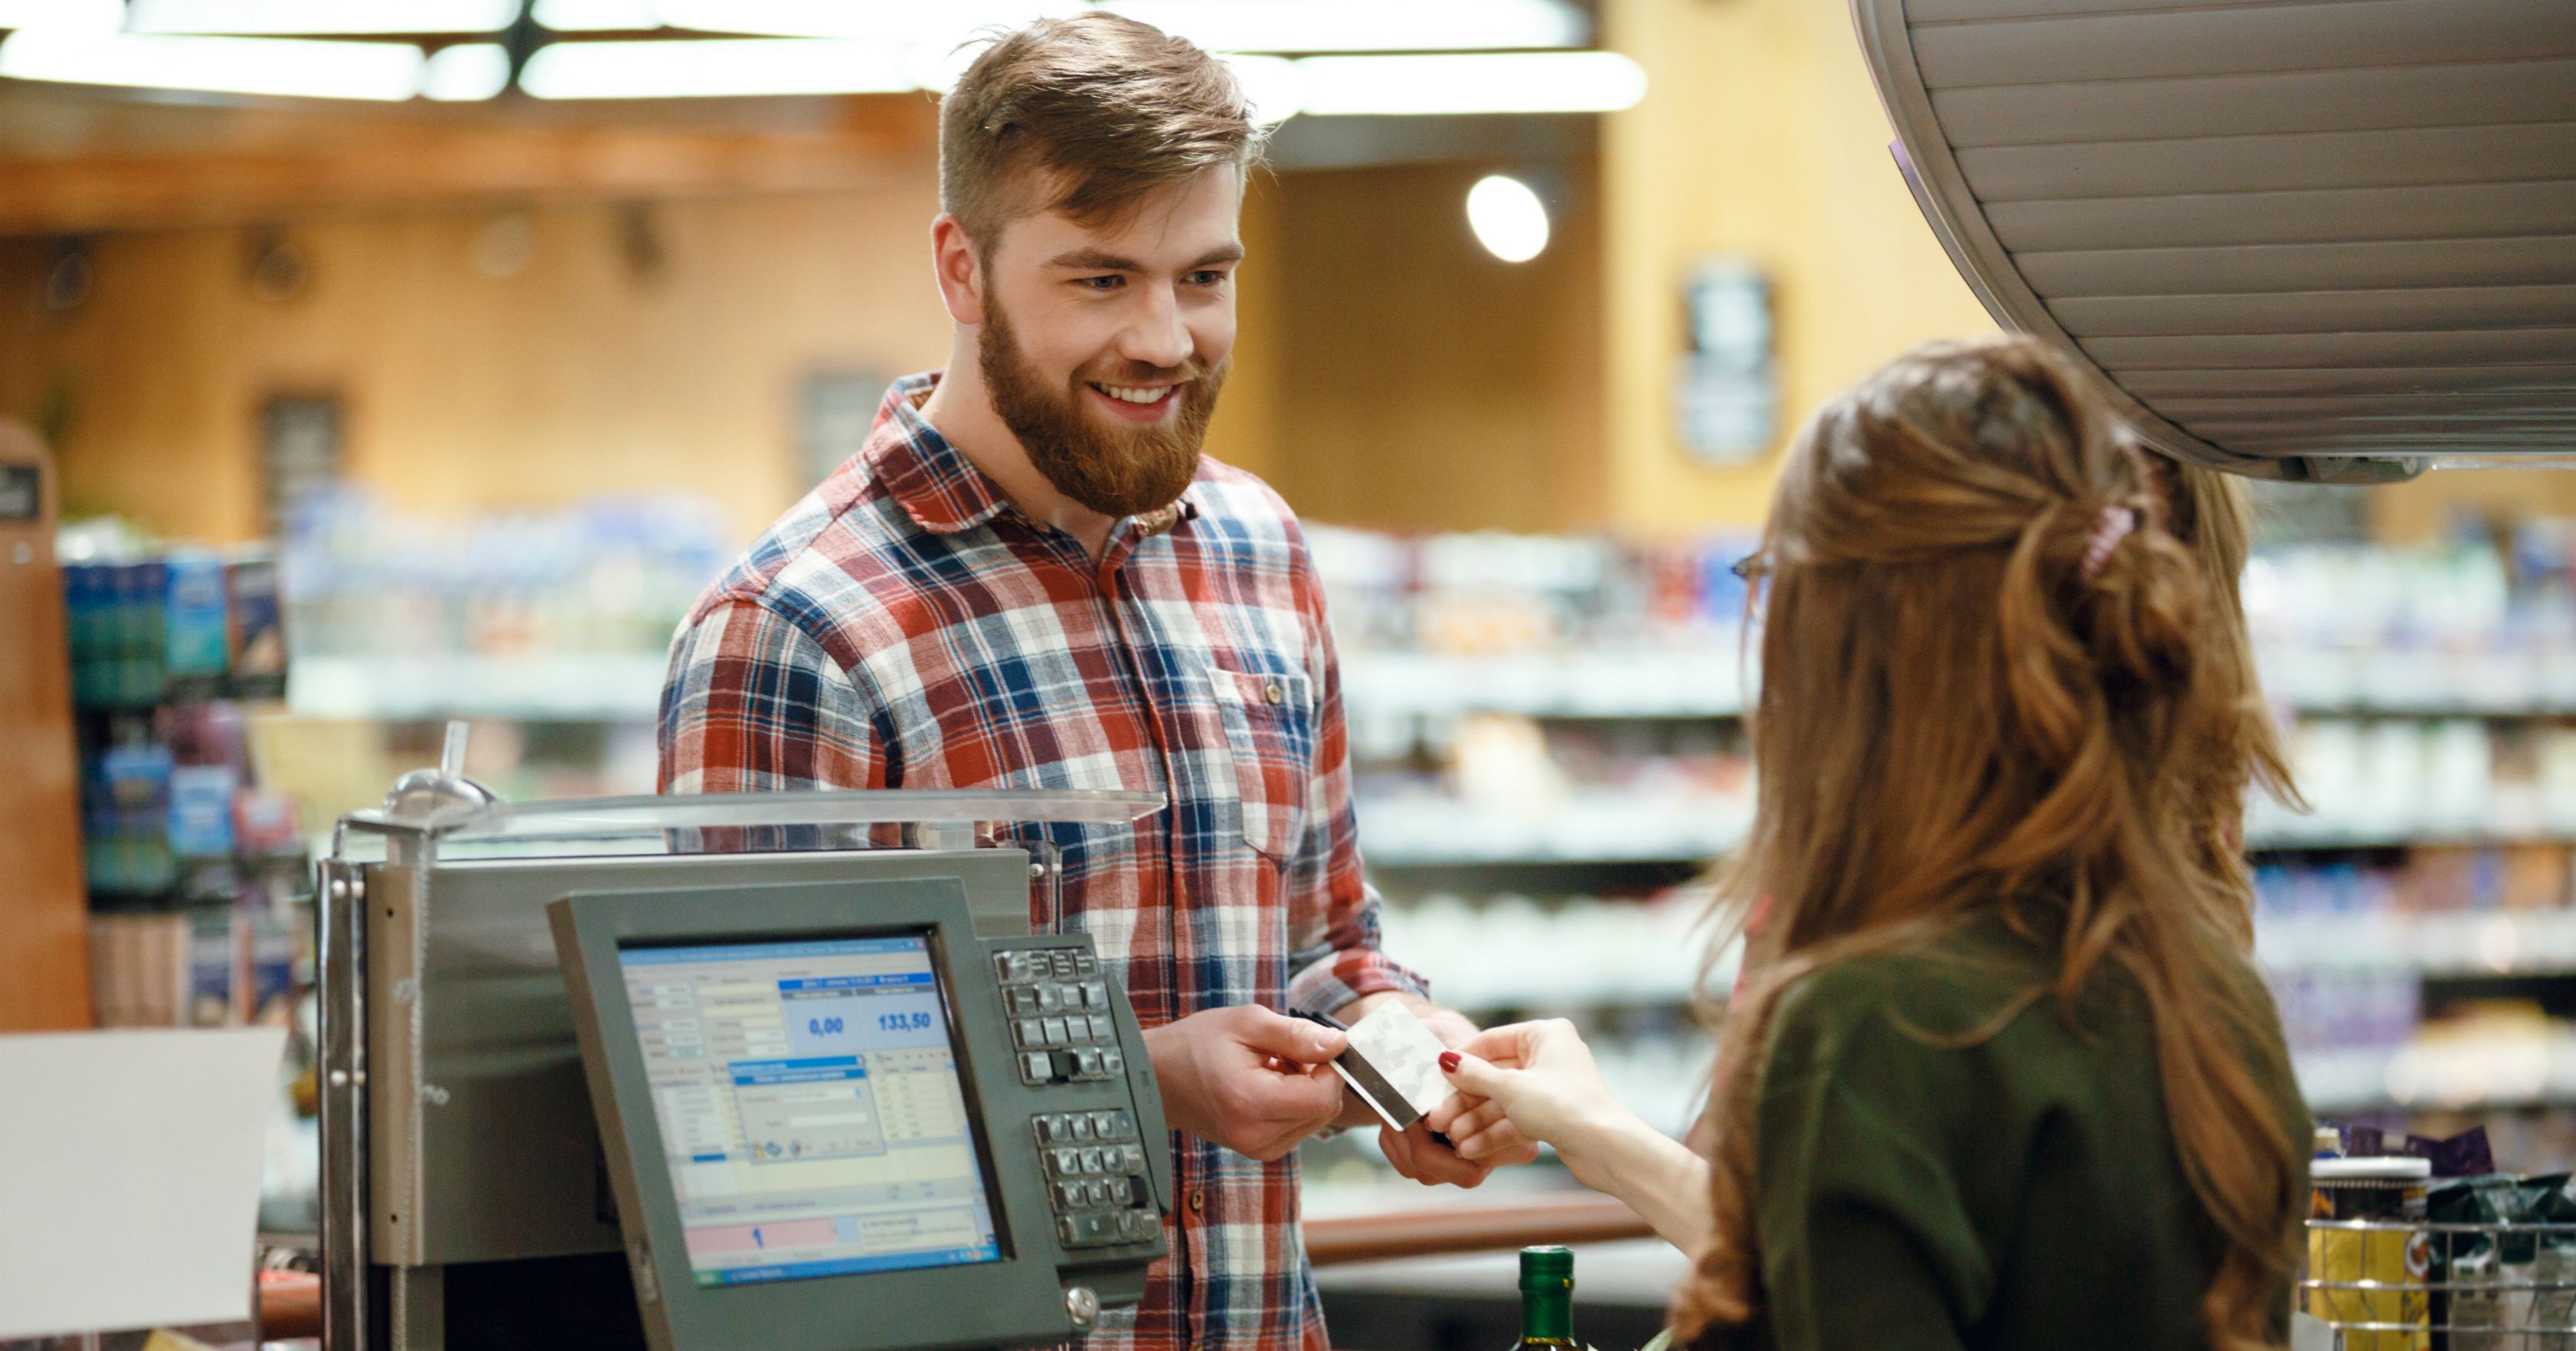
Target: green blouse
<point>1918,1188</point>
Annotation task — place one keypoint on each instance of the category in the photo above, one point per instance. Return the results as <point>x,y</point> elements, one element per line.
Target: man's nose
<point>1156,335</point>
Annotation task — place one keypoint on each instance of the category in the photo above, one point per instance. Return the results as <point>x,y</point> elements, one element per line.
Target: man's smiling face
<point>1104,346</point>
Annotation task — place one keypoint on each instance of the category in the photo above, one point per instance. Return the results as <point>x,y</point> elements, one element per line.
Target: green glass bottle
<point>1547,1299</point>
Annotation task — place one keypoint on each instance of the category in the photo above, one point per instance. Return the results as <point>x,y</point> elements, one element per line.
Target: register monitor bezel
<point>1016,1300</point>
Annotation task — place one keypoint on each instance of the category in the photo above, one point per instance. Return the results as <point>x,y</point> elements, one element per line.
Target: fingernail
<point>1449,1062</point>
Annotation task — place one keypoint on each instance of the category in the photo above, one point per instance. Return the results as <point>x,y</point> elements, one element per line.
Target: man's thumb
<point>1293,1039</point>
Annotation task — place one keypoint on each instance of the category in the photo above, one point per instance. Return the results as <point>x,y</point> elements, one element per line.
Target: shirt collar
<point>941,489</point>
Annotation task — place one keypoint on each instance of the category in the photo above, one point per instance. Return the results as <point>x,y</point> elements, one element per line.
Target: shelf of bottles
<point>1526,710</point>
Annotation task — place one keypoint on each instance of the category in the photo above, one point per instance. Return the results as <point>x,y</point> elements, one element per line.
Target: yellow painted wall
<point>464,391</point>
<point>1761,135</point>
<point>1424,383</point>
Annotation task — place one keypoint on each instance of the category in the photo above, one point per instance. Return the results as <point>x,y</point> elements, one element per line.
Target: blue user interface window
<point>811,1114</point>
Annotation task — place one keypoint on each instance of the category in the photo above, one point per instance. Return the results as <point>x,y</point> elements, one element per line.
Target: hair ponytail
<point>2025,712</point>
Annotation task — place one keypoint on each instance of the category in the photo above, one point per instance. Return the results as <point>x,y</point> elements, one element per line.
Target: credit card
<point>1394,1065</point>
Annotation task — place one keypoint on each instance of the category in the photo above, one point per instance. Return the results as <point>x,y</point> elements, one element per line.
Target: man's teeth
<point>1134,393</point>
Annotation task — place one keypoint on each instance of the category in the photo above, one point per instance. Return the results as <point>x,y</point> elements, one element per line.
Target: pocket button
<point>1273,693</point>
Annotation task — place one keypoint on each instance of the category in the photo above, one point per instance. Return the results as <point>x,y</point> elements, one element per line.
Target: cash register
<point>796,1070</point>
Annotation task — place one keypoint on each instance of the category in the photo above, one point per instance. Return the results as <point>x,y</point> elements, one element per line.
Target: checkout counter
<point>786,1070</point>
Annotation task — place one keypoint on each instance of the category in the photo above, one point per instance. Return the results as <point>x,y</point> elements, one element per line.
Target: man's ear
<point>959,269</point>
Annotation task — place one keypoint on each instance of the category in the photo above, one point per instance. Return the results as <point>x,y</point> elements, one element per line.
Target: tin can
<point>2366,1275</point>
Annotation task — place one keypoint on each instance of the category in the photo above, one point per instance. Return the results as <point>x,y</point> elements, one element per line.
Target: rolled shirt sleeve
<point>1333,912</point>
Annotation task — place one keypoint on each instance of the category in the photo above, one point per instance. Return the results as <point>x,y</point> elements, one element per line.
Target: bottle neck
<point>1547,1316</point>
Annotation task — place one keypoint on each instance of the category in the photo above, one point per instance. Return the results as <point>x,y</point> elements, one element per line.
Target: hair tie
<point>2114,525</point>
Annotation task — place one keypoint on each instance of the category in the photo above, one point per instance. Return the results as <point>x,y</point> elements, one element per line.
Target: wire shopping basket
<point>2417,1285</point>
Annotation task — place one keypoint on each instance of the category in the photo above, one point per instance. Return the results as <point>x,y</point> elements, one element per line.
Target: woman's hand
<point>1537,1081</point>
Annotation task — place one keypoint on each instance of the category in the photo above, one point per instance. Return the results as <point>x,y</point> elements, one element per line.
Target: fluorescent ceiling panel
<point>1363,25</point>
<point>1272,84</point>
<point>1493,82</point>
<point>466,73</point>
<point>719,67</point>
<point>945,22</point>
<point>590,16</point>
<point>103,16</point>
<point>287,66</point>
<point>319,16</point>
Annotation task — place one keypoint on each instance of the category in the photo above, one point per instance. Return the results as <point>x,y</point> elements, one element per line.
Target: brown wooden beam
<point>1423,1233</point>
<point>77,161</point>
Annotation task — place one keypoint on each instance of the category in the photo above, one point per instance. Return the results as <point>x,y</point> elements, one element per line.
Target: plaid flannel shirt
<point>904,626</point>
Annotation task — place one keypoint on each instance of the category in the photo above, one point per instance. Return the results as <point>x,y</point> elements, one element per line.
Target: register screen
<point>810,1109</point>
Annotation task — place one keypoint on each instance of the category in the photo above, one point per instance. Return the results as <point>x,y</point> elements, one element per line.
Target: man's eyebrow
<point>1094,260</point>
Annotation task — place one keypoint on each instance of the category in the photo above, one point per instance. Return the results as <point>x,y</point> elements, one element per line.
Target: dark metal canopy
<point>2323,240</point>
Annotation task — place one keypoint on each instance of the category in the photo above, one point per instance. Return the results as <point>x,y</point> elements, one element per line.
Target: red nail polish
<point>1449,1062</point>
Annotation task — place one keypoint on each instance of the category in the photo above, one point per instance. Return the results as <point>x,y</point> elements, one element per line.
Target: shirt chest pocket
<point>1270,735</point>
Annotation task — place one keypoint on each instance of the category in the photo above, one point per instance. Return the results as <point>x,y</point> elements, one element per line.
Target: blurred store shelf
<point>2528,1067</point>
<point>620,688</point>
<point>2473,943</point>
<point>1588,825</point>
<point>1643,682</point>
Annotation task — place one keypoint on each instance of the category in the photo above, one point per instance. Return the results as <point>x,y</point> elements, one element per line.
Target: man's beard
<point>1114,472</point>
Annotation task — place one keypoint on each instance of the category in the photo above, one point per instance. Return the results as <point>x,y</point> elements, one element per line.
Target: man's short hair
<point>1087,115</point>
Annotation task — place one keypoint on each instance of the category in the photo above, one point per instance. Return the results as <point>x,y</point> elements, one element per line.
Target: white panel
<point>2240,39</point>
<point>2446,211</point>
<point>2238,105</point>
<point>2453,307</point>
<point>2301,267</point>
<point>2346,159</point>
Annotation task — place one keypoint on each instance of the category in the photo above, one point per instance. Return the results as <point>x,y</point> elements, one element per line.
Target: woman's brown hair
<point>1981,694</point>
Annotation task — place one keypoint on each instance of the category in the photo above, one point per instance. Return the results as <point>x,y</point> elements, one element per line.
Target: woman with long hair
<point>1999,1070</point>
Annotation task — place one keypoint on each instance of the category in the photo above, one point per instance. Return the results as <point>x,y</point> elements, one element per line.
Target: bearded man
<point>1031,578</point>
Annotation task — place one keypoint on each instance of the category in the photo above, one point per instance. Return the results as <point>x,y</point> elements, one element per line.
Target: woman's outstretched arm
<point>1539,1077</point>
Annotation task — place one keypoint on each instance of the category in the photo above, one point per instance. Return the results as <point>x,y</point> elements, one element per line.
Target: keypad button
<point>1066,1195</point>
<point>1063,963</point>
<point>1121,1192</point>
<point>1050,999</point>
<point>1132,1160</point>
<point>1037,1067</point>
<point>1084,1128</point>
<point>1091,1161</point>
<point>1064,1162</point>
<point>1111,1062</point>
<point>1095,994</point>
<point>1102,1029</point>
<point>1021,999</point>
<point>1051,1032</point>
<point>1084,964</point>
<point>1096,1192</point>
<point>1121,1126</point>
<point>1026,1033</point>
<point>1067,1231</point>
<point>1086,1063</point>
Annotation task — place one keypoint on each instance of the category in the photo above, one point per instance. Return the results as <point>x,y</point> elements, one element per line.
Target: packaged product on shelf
<point>195,635</point>
<point>255,629</point>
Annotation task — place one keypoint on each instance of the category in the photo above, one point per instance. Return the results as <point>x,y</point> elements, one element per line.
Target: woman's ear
<point>959,269</point>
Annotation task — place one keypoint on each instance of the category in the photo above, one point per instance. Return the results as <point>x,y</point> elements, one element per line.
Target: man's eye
<point>1108,283</point>
<point>1208,277</point>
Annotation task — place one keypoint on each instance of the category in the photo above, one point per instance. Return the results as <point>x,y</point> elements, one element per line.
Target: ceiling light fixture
<point>319,16</point>
<point>287,66</point>
<point>468,72</point>
<point>1484,82</point>
<point>717,68</point>
<point>1362,25</point>
<point>592,16</point>
<point>945,22</point>
<point>1508,218</point>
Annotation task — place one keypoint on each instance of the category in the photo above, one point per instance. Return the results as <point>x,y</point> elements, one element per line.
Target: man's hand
<point>1247,1078</point>
<point>1412,1150</point>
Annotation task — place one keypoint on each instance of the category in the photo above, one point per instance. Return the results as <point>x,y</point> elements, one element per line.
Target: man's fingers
<point>1290,1038</point>
<point>1262,1095</point>
<point>1416,1155</point>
